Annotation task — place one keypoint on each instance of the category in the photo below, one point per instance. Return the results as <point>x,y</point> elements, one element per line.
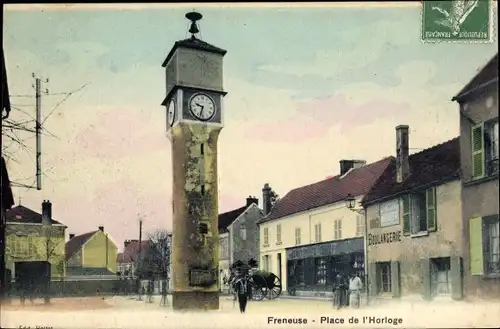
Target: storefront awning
<point>326,249</point>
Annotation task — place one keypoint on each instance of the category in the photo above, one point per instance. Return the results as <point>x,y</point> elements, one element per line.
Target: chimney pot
<point>71,236</point>
<point>252,199</point>
<point>46,212</point>
<point>402,153</point>
<point>101,228</point>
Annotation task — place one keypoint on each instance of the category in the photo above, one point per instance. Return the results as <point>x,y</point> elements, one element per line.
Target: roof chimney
<point>126,243</point>
<point>71,236</point>
<point>46,212</point>
<point>101,228</point>
<point>346,165</point>
<point>402,153</point>
<point>266,199</point>
<point>252,199</point>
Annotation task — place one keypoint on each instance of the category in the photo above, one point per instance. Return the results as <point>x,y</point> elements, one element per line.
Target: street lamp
<point>350,202</point>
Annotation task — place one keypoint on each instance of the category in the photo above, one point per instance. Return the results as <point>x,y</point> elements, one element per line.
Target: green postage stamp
<point>457,21</point>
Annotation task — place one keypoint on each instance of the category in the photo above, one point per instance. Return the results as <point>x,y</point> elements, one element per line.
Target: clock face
<point>202,107</point>
<point>171,113</point>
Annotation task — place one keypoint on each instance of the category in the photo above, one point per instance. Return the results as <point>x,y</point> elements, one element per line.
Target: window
<point>224,248</point>
<point>22,245</point>
<point>266,263</point>
<point>441,276</point>
<point>337,230</point>
<point>202,149</point>
<point>492,247</point>
<point>360,225</point>
<point>419,212</point>
<point>297,236</point>
<point>320,265</point>
<point>203,190</point>
<point>484,246</point>
<point>243,232</point>
<point>384,277</point>
<point>317,232</point>
<point>484,143</point>
<point>278,234</point>
<point>266,236</point>
<point>389,213</point>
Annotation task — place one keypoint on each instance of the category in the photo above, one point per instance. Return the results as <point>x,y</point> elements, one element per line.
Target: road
<point>126,312</point>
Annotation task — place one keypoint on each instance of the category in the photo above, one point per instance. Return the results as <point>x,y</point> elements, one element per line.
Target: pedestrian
<point>355,286</point>
<point>340,292</point>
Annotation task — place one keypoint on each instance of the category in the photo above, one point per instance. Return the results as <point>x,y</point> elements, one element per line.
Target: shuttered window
<point>477,142</point>
<point>266,236</point>
<point>406,215</point>
<point>278,234</point>
<point>431,209</point>
<point>476,246</point>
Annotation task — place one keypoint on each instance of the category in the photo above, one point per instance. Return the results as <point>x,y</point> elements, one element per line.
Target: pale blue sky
<point>307,87</point>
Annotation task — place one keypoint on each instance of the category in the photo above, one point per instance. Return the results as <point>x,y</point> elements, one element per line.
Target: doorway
<point>279,265</point>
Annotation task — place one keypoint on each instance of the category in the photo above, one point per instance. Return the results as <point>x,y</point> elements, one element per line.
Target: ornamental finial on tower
<point>194,17</point>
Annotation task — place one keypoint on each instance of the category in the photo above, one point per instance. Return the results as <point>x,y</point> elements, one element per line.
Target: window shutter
<point>406,215</point>
<point>477,141</point>
<point>395,283</point>
<point>476,246</point>
<point>431,209</point>
<point>425,268</point>
<point>456,277</point>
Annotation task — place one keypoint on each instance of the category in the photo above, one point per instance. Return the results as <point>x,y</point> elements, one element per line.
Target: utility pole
<point>139,264</point>
<point>38,128</point>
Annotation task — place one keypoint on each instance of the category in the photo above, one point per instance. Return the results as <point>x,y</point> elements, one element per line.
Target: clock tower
<point>194,119</point>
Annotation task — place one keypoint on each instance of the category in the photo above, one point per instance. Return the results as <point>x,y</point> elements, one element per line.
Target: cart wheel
<point>275,290</point>
<point>258,293</point>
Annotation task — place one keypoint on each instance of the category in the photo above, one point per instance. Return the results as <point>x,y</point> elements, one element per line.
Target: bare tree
<point>52,240</point>
<point>155,262</point>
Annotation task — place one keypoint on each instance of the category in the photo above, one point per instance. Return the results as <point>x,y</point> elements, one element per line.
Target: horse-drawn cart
<point>264,284</point>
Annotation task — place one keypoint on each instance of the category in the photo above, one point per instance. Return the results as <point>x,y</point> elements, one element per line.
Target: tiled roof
<point>76,271</point>
<point>487,73</point>
<point>76,243</point>
<point>6,190</point>
<point>228,218</point>
<point>434,165</point>
<point>357,182</point>
<point>131,253</point>
<point>21,214</point>
<point>194,43</point>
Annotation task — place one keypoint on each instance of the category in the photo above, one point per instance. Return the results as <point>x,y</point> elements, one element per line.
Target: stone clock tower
<point>194,96</point>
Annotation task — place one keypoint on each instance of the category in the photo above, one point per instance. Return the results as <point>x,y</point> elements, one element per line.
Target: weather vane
<point>194,17</point>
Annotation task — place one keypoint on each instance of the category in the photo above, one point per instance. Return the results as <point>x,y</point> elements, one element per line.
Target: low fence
<point>76,288</point>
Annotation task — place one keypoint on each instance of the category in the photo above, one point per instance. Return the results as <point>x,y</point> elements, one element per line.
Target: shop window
<point>384,277</point>
<point>441,276</point>
<point>320,270</point>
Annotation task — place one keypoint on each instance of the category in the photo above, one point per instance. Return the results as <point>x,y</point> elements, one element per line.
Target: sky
<point>307,87</point>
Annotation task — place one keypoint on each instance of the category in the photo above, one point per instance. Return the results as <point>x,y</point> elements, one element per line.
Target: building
<point>239,235</point>
<point>414,229</point>
<point>34,241</point>
<point>478,102</point>
<point>127,260</point>
<point>91,256</point>
<point>310,234</point>
<point>6,199</point>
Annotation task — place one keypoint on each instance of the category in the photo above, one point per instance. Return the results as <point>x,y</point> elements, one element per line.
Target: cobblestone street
<point>127,312</point>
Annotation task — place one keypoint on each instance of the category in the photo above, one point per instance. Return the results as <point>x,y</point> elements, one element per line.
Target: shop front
<point>311,269</point>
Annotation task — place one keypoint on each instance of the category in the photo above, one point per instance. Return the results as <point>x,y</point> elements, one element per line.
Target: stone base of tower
<point>195,300</point>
